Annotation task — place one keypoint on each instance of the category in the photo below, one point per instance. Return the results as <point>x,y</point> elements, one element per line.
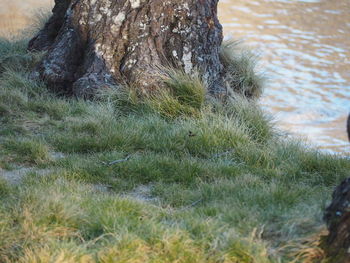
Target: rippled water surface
<point>305,50</point>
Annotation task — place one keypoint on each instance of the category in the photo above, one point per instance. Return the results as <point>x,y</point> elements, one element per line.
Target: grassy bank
<point>175,177</point>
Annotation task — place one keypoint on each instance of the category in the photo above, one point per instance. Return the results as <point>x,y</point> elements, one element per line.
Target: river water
<point>305,53</point>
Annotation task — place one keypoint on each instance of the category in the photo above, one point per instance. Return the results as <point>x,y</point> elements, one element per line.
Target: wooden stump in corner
<point>337,216</point>
<point>92,44</point>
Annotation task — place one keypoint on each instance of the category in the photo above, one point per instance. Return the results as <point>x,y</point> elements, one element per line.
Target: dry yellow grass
<point>15,15</point>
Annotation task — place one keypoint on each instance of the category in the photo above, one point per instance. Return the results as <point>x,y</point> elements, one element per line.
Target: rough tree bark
<point>92,44</point>
<point>337,216</point>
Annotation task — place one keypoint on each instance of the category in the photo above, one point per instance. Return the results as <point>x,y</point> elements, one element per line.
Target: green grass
<point>182,95</point>
<point>241,74</point>
<point>220,183</point>
<point>26,150</point>
<point>4,188</point>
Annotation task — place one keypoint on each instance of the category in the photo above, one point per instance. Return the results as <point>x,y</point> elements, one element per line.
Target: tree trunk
<point>93,44</point>
<point>337,216</point>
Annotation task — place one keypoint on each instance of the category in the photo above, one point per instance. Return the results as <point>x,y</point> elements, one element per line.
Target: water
<point>305,50</point>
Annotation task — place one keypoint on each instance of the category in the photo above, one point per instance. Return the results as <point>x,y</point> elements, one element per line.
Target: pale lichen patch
<point>98,18</point>
<point>135,3</point>
<point>117,22</point>
<point>175,54</point>
<point>118,19</point>
<point>187,59</point>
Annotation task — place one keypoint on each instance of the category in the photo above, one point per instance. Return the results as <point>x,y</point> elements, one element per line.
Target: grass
<point>241,74</point>
<point>182,95</point>
<point>220,183</point>
<point>16,15</point>
<point>27,150</point>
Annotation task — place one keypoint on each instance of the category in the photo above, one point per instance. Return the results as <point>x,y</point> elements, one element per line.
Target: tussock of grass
<point>189,90</point>
<point>169,106</point>
<point>185,97</point>
<point>240,70</point>
<point>223,185</point>
<point>14,22</point>
<point>40,17</point>
<point>182,95</point>
<point>27,151</point>
<point>308,250</point>
<point>17,61</point>
<point>4,188</point>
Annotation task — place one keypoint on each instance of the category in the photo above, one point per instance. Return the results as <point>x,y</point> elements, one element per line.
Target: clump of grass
<point>9,47</point>
<point>4,187</point>
<point>307,249</point>
<point>56,109</point>
<point>258,123</point>
<point>40,18</point>
<point>27,151</point>
<point>15,99</point>
<point>168,106</point>
<point>188,89</point>
<point>123,99</point>
<point>14,23</point>
<point>241,75</point>
<point>15,85</point>
<point>182,95</point>
<point>23,83</point>
<point>14,55</point>
<point>185,95</point>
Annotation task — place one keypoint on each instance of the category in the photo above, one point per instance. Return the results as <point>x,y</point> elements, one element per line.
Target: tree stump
<point>337,216</point>
<point>93,44</point>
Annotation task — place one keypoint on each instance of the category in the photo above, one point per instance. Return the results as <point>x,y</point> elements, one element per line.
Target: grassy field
<point>175,177</point>
<point>15,15</point>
